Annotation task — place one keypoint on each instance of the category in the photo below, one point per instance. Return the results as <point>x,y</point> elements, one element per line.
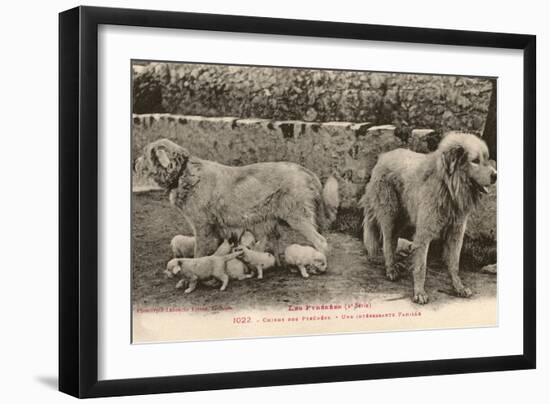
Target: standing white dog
<point>433,192</point>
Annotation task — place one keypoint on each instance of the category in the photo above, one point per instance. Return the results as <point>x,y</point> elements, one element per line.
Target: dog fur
<point>256,259</point>
<point>183,246</point>
<point>247,239</point>
<point>433,192</point>
<point>303,256</point>
<point>193,270</point>
<point>235,268</point>
<point>219,200</point>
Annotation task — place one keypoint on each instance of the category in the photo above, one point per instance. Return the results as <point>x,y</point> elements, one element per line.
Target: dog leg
<point>451,254</point>
<point>277,247</point>
<point>225,280</point>
<point>390,245</point>
<point>192,284</point>
<point>303,271</point>
<point>260,270</point>
<point>307,229</point>
<point>421,245</point>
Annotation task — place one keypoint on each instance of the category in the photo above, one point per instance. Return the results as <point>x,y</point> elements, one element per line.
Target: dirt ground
<point>350,274</point>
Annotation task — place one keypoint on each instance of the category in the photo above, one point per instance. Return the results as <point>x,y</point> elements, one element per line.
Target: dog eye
<point>475,161</point>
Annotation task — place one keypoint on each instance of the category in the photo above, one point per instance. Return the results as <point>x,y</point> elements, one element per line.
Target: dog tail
<point>371,236</point>
<point>331,198</point>
<point>371,230</point>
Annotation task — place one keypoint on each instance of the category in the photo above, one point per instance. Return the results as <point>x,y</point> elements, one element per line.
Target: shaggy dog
<point>219,200</point>
<point>193,270</point>
<point>303,256</point>
<point>183,246</point>
<point>433,192</point>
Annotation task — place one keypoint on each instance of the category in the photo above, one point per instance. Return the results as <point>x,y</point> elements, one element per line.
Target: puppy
<point>247,239</point>
<point>235,268</point>
<point>256,259</point>
<point>193,270</point>
<point>216,198</point>
<point>183,246</point>
<point>404,247</point>
<point>433,192</point>
<point>303,256</point>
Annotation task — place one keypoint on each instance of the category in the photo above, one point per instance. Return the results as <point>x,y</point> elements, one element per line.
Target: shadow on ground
<point>48,381</point>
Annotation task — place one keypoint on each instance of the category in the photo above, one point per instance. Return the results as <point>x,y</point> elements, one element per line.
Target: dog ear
<point>453,158</point>
<point>166,161</point>
<point>161,156</point>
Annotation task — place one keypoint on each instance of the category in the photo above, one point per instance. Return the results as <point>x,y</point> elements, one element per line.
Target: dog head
<point>247,239</point>
<point>163,161</point>
<point>172,268</point>
<point>320,263</point>
<point>270,260</point>
<point>465,163</point>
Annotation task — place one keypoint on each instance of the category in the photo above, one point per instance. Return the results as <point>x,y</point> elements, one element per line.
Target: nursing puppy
<point>435,193</point>
<point>303,257</point>
<point>193,270</point>
<point>256,259</point>
<point>183,246</point>
<point>235,268</point>
<point>217,199</point>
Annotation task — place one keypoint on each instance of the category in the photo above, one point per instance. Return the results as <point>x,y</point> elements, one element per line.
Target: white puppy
<point>235,268</point>
<point>256,259</point>
<point>404,247</point>
<point>193,270</point>
<point>303,256</point>
<point>247,239</point>
<point>183,246</point>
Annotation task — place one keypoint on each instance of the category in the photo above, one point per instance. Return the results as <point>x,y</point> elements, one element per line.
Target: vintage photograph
<point>287,201</point>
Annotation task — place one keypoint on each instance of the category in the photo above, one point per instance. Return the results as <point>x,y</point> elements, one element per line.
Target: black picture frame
<point>78,201</point>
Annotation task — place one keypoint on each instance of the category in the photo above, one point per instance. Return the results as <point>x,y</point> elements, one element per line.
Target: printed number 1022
<point>242,320</point>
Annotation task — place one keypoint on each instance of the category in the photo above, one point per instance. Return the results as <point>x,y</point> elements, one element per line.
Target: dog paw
<point>392,274</point>
<point>464,292</point>
<point>421,298</point>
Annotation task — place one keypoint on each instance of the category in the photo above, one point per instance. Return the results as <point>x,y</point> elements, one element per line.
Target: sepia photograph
<point>287,201</point>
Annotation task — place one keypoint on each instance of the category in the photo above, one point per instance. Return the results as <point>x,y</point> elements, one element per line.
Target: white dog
<point>183,246</point>
<point>256,259</point>
<point>303,256</point>
<point>193,270</point>
<point>235,268</point>
<point>433,192</point>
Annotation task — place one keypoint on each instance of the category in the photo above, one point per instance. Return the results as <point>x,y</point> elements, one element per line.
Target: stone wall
<point>407,101</point>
